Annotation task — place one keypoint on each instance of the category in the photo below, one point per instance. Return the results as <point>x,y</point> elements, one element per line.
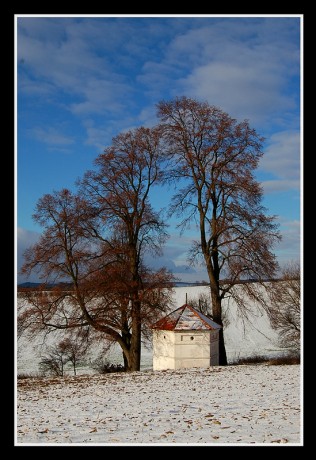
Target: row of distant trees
<point>96,239</point>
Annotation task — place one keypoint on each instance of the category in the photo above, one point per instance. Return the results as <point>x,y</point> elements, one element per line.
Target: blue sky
<point>82,80</point>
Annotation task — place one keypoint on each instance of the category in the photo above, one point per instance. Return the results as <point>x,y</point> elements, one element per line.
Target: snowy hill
<point>242,339</point>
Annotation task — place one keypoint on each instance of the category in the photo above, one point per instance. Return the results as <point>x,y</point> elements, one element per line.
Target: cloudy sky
<point>80,80</point>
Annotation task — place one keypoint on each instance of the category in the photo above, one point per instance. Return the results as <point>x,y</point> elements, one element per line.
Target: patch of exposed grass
<point>289,359</point>
<point>105,367</point>
<point>254,359</point>
<point>25,375</point>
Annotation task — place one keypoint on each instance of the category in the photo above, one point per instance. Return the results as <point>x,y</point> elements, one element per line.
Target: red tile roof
<point>185,318</point>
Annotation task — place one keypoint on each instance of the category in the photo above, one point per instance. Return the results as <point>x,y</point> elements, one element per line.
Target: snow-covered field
<point>232,405</point>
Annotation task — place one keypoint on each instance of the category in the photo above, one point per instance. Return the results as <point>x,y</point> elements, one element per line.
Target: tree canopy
<point>216,157</point>
<point>97,238</point>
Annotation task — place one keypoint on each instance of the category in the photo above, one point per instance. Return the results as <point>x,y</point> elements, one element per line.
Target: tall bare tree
<point>119,193</point>
<point>212,160</point>
<point>97,243</point>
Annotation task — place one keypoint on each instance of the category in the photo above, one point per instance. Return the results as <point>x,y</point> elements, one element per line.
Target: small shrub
<point>25,375</point>
<point>290,358</point>
<point>104,367</point>
<point>51,366</point>
<point>255,359</point>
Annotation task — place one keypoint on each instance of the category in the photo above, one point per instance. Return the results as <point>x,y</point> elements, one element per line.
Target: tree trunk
<point>134,361</point>
<point>125,360</point>
<point>126,336</point>
<point>222,350</point>
<point>217,317</point>
<point>135,354</point>
<point>135,349</point>
<point>213,271</point>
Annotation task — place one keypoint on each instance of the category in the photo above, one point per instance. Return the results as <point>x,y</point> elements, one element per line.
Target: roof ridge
<point>177,318</point>
<point>198,314</point>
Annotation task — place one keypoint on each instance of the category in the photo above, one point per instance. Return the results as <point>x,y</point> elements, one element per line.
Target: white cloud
<point>147,116</point>
<point>175,258</point>
<point>280,185</point>
<point>123,65</point>
<point>51,135</point>
<point>45,29</point>
<point>96,136</point>
<point>282,159</point>
<point>24,239</point>
<point>64,63</point>
<point>282,155</point>
<point>34,88</point>
<point>289,249</point>
<point>245,77</point>
<point>241,89</point>
<point>101,96</point>
<point>243,66</point>
<point>68,58</point>
<point>100,136</point>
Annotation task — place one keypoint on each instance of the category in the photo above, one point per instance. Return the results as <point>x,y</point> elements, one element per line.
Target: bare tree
<point>285,306</point>
<point>96,242</point>
<point>119,193</point>
<point>203,304</point>
<point>74,350</point>
<point>53,360</point>
<point>212,161</point>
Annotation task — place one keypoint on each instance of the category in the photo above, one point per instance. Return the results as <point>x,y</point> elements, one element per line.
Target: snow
<point>222,405</point>
<point>185,318</point>
<point>241,339</point>
<point>230,405</point>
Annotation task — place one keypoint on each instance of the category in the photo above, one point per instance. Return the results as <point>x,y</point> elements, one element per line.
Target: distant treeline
<point>68,286</point>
